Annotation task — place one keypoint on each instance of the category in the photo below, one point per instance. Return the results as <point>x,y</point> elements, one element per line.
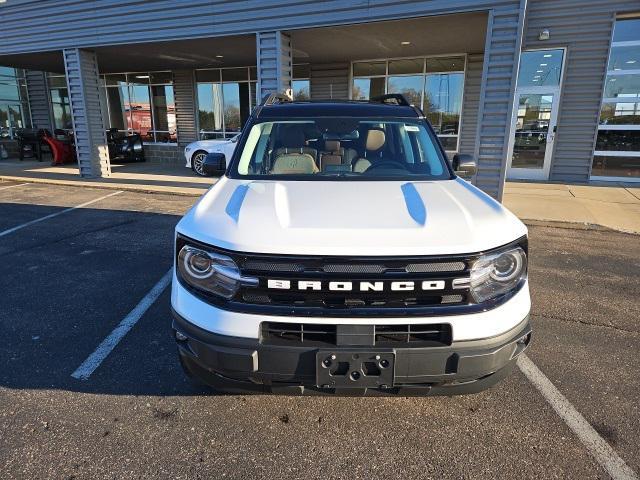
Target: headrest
<point>375,140</point>
<point>292,137</point>
<point>332,145</point>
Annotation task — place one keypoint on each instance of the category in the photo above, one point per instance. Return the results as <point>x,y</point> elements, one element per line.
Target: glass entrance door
<point>532,133</point>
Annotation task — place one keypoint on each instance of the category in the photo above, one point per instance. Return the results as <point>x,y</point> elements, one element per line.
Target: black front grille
<point>416,335</point>
<point>387,336</point>
<point>295,269</point>
<point>298,334</point>
<point>361,272</point>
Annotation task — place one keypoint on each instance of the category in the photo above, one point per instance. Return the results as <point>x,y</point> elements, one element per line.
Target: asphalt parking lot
<point>68,280</point>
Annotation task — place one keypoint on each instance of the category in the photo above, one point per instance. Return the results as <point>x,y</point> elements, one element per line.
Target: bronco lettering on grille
<point>338,286</point>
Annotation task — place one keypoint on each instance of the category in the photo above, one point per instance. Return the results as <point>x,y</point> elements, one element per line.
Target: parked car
<point>195,152</point>
<point>340,253</point>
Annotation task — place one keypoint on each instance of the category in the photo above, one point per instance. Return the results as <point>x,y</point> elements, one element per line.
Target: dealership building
<point>544,90</point>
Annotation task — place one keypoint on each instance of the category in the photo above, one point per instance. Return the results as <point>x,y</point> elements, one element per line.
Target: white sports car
<point>195,152</point>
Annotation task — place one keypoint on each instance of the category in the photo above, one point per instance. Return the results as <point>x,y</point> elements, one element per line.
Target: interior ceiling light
<point>219,56</point>
<point>547,55</point>
<point>405,43</point>
<point>539,71</point>
<point>142,76</point>
<point>543,64</point>
<point>631,61</point>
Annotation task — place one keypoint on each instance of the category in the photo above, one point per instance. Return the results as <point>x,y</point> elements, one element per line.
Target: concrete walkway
<point>145,177</point>
<point>613,206</point>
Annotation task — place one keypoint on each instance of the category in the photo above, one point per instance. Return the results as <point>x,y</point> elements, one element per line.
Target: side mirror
<point>215,164</point>
<point>464,165</point>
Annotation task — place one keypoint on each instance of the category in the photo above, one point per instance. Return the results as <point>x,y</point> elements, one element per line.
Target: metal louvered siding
<point>184,90</point>
<point>274,62</point>
<point>330,81</point>
<point>38,92</point>
<point>45,25</point>
<point>471,101</point>
<point>584,27</point>
<point>81,67</point>
<point>500,71</point>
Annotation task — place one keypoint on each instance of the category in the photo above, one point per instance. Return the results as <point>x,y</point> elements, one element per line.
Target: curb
<point>106,186</point>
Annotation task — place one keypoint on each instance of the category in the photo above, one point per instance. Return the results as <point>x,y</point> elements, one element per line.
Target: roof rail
<point>392,98</point>
<point>273,98</point>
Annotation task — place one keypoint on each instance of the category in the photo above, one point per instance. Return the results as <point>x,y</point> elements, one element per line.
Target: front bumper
<point>236,364</point>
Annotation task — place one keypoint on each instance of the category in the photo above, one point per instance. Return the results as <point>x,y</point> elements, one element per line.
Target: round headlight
<point>495,274</point>
<point>507,266</point>
<point>211,272</point>
<point>198,264</point>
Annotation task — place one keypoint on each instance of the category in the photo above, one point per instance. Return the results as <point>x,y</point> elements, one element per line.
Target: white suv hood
<point>350,218</point>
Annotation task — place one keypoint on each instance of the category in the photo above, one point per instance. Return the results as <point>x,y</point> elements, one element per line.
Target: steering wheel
<point>387,164</point>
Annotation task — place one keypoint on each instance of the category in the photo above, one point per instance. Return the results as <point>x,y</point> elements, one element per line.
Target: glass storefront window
<point>406,66</point>
<point>366,88</point>
<point>301,90</point>
<point>443,105</point>
<point>142,102</point>
<point>540,68</point>
<point>445,64</point>
<point>225,99</point>
<point>617,154</point>
<point>164,113</point>
<point>624,58</point>
<point>408,85</point>
<point>368,69</point>
<point>434,84</point>
<point>301,85</point>
<point>619,85</point>
<point>620,113</point>
<point>14,106</point>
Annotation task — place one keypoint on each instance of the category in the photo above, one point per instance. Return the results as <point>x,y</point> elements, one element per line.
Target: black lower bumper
<point>240,365</point>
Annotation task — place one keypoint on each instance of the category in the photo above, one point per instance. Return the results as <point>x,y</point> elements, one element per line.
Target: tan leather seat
<point>333,155</point>
<point>375,141</point>
<point>294,163</point>
<point>293,141</point>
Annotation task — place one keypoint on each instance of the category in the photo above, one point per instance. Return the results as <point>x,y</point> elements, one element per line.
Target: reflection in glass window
<point>443,105</point>
<point>620,85</point>
<point>301,90</point>
<point>438,91</point>
<point>164,113</point>
<point>540,67</point>
<point>14,108</point>
<point>225,100</point>
<point>366,88</point>
<point>617,153</point>
<point>142,103</point>
<point>620,113</point>
<point>410,86</point>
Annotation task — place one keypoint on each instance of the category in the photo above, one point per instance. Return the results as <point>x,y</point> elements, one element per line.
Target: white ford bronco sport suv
<point>340,254</point>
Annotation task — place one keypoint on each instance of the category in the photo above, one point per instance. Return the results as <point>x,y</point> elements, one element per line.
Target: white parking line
<point>13,186</point>
<point>47,217</point>
<point>595,444</point>
<point>93,361</point>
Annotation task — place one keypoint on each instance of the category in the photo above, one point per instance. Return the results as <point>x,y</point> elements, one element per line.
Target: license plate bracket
<point>354,369</point>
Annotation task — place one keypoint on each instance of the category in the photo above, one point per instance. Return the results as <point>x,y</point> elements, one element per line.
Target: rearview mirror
<point>215,164</point>
<point>464,165</point>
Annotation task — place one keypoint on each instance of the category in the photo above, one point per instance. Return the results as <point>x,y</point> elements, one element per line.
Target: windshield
<point>324,148</point>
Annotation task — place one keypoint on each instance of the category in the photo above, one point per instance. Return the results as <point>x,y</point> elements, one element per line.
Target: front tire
<point>197,161</point>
